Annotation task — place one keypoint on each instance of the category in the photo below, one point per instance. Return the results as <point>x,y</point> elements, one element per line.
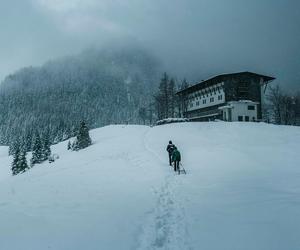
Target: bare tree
<point>286,108</point>
<point>275,97</point>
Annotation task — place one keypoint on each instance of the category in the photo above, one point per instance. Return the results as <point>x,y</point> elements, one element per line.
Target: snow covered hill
<point>241,191</point>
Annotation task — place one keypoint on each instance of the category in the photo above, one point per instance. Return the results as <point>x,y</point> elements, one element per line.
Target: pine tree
<point>14,146</point>
<point>46,152</point>
<point>164,93</point>
<point>28,141</point>
<point>162,98</point>
<point>22,163</point>
<point>69,145</point>
<point>15,167</point>
<point>83,138</point>
<point>37,153</point>
<point>171,97</point>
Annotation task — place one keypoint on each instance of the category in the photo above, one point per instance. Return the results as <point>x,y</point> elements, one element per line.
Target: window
<point>240,118</point>
<point>220,97</point>
<point>204,101</point>
<point>247,118</point>
<point>211,99</point>
<point>197,103</point>
<point>251,107</point>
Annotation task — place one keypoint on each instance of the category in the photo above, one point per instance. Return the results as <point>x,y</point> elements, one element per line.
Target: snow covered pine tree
<point>14,168</point>
<point>19,164</point>
<point>46,151</point>
<point>37,152</point>
<point>83,138</point>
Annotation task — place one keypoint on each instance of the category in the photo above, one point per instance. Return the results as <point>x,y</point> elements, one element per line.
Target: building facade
<point>229,97</point>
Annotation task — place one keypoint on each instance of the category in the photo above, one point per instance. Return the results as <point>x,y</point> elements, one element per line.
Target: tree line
<point>41,150</point>
<point>284,108</point>
<point>166,103</point>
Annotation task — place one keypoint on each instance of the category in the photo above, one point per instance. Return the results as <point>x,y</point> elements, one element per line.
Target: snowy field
<point>241,191</point>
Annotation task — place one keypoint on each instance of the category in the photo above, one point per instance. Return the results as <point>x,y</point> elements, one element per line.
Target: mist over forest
<point>102,87</point>
<point>193,39</point>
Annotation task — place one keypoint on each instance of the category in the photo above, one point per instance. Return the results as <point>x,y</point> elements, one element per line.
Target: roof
<point>216,79</point>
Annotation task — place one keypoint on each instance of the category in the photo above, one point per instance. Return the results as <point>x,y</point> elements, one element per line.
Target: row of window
<point>247,118</point>
<point>212,99</point>
<point>206,93</point>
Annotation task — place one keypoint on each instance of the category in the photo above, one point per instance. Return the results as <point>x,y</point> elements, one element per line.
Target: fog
<point>193,38</point>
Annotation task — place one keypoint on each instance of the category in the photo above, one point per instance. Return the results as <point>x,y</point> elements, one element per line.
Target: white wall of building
<point>240,110</point>
<point>207,97</point>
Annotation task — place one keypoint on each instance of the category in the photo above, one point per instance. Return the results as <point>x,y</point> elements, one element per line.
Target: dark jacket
<point>176,155</point>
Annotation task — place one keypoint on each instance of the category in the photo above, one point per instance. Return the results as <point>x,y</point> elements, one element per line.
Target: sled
<point>181,169</point>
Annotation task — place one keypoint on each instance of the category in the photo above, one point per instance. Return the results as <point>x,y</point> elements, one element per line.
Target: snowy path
<point>164,227</point>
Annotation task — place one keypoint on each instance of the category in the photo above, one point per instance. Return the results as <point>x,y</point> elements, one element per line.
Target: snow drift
<point>241,191</point>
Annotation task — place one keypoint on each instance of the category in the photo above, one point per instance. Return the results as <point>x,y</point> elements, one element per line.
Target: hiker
<point>176,158</point>
<point>170,149</point>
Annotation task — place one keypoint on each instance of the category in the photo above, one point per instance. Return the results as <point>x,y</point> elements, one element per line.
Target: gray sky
<point>194,38</point>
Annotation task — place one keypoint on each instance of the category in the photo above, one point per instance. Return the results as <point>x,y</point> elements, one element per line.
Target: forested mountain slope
<point>100,86</point>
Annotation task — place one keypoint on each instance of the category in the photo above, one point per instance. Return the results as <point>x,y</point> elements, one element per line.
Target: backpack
<point>170,148</point>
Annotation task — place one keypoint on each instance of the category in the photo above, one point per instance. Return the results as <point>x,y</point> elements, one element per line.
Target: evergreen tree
<point>28,141</point>
<point>46,148</point>
<point>171,97</point>
<point>161,98</point>
<point>37,153</point>
<point>22,163</point>
<point>74,145</point>
<point>164,94</point>
<point>69,145</point>
<point>19,164</point>
<point>13,147</point>
<point>83,138</point>
<point>165,98</point>
<point>15,167</point>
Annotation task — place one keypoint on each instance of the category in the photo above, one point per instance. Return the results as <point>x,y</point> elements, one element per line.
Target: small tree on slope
<point>46,151</point>
<point>83,138</point>
<point>22,164</point>
<point>19,164</point>
<point>15,167</point>
<point>37,152</point>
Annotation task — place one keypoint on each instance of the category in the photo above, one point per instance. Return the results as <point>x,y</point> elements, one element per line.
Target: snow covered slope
<point>241,191</point>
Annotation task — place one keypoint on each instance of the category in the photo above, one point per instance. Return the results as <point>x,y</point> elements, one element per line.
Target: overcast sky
<point>194,38</point>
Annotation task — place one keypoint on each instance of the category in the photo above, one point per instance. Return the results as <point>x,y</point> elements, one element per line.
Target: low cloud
<point>194,38</point>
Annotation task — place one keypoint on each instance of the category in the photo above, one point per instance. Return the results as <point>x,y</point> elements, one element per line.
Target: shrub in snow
<point>53,157</point>
<point>171,120</point>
